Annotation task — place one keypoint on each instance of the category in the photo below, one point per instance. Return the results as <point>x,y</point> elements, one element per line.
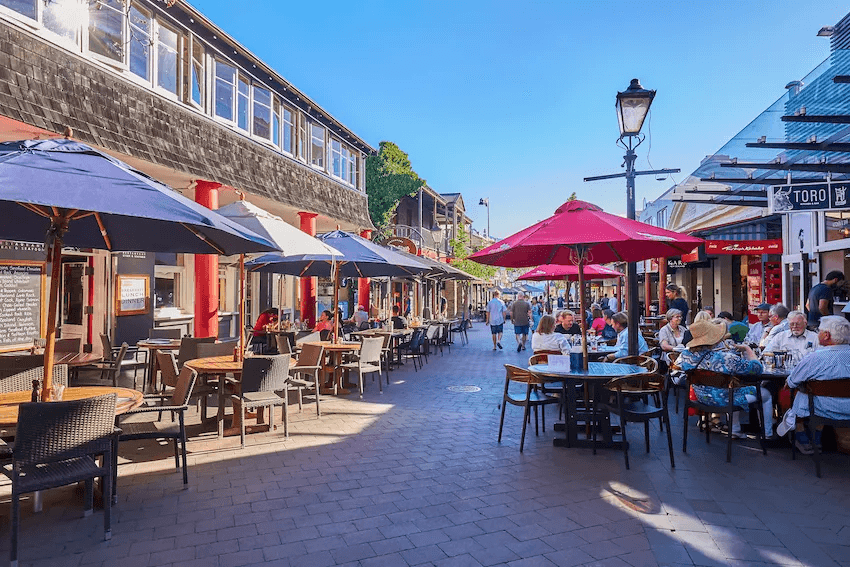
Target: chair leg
<point>16,520</point>
<point>685,429</point>
<point>360,380</point>
<point>536,423</point>
<point>504,403</point>
<point>623,428</point>
<point>176,455</point>
<point>88,504</point>
<point>286,414</point>
<point>114,499</point>
<point>107,481</point>
<point>242,424</point>
<point>318,406</point>
<point>183,446</point>
<point>525,418</point>
<point>810,431</point>
<point>380,381</point>
<point>646,433</point>
<point>729,440</point>
<point>666,418</point>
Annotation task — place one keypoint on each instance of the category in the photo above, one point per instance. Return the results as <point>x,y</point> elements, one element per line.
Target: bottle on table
<point>35,391</point>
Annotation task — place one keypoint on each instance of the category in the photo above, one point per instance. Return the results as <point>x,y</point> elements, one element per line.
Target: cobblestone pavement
<point>415,477</point>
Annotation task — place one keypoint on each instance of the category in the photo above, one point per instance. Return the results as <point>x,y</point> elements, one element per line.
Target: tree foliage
<point>461,249</point>
<point>389,178</point>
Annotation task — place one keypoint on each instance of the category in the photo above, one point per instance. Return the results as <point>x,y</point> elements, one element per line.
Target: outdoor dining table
<point>597,374</point>
<point>153,345</point>
<point>335,352</point>
<point>601,352</point>
<point>218,366</point>
<point>396,338</point>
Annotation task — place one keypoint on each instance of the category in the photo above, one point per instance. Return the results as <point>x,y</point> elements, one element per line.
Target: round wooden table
<point>74,359</point>
<point>127,399</point>
<point>152,346</point>
<point>216,366</point>
<point>335,351</point>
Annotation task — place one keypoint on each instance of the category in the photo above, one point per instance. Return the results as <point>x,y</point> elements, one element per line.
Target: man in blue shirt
<point>821,297</point>
<point>620,322</point>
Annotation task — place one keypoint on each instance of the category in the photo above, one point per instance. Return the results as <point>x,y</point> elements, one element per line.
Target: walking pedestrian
<point>536,313</point>
<point>495,313</point>
<point>521,318</point>
<point>612,303</point>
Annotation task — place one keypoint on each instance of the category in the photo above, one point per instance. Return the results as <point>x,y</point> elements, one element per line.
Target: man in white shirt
<point>612,303</point>
<point>796,340</point>
<point>778,321</point>
<point>757,329</point>
<point>496,311</point>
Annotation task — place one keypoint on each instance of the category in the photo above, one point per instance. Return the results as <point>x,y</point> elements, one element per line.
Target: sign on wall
<point>21,295</point>
<point>741,247</point>
<point>132,295</point>
<point>809,197</point>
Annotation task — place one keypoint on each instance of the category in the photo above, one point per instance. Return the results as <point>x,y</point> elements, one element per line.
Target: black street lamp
<point>486,202</point>
<point>632,108</point>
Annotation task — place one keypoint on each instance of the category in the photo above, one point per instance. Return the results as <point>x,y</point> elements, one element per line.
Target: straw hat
<point>707,333</point>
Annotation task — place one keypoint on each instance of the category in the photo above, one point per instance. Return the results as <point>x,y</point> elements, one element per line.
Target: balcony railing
<point>433,239</point>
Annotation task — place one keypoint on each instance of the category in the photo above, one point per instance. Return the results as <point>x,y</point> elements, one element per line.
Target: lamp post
<point>486,202</point>
<point>632,108</point>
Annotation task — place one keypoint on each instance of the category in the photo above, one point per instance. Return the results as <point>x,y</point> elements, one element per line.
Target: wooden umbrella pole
<point>242,325</point>
<point>336,323</point>
<point>49,347</point>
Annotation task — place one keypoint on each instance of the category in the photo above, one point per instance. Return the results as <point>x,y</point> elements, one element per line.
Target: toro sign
<point>809,197</point>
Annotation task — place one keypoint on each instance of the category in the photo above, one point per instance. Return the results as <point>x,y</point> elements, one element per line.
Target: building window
<point>225,87</point>
<point>317,145</point>
<point>242,103</point>
<point>352,168</point>
<point>662,218</point>
<point>337,164</point>
<point>276,123</point>
<point>140,43</point>
<point>24,7</point>
<point>837,225</point>
<point>288,131</point>
<point>196,74</point>
<point>106,28</point>
<point>167,59</point>
<point>262,113</point>
<point>302,137</point>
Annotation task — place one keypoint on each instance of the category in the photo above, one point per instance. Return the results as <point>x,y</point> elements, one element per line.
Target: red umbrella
<point>581,233</point>
<point>570,273</point>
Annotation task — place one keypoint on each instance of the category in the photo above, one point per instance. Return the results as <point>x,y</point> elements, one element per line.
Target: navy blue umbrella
<point>65,192</point>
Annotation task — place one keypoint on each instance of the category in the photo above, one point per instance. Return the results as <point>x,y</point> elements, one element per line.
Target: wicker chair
<point>22,381</point>
<point>368,360</point>
<point>309,365</point>
<point>826,388</point>
<point>264,384</point>
<point>15,364</point>
<point>133,357</point>
<point>58,444</point>
<point>178,404</point>
<point>189,349</point>
<point>164,333</point>
<point>283,345</point>
<point>534,398</point>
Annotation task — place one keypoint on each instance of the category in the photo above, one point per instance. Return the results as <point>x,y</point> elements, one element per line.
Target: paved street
<point>415,477</point>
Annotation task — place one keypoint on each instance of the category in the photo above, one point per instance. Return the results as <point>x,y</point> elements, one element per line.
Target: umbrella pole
<point>582,310</point>
<point>242,330</point>
<point>49,347</point>
<point>336,301</point>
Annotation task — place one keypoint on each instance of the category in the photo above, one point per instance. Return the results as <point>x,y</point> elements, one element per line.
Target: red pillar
<point>308,285</point>
<point>662,283</point>
<point>363,287</point>
<point>206,271</point>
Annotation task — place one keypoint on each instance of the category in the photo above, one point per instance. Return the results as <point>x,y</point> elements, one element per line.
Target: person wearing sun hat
<point>707,350</point>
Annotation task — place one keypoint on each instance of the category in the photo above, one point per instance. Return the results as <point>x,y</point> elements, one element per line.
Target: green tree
<point>461,249</point>
<point>389,177</point>
<point>573,197</point>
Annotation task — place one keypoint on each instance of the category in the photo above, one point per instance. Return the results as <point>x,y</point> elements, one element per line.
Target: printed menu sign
<point>133,297</point>
<point>20,303</point>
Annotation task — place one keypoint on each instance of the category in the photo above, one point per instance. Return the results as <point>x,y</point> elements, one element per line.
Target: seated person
<point>737,329</point>
<point>267,317</point>
<point>325,322</point>
<point>361,318</point>
<point>621,325</point>
<point>708,350</point>
<point>567,323</point>
<point>830,362</point>
<point>598,323</point>
<point>608,331</point>
<point>701,316</point>
<point>399,322</point>
<point>797,339</point>
<point>779,322</point>
<point>545,337</point>
<point>670,336</point>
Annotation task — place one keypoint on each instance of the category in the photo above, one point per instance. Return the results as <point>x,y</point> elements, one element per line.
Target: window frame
<point>252,102</point>
<point>125,33</point>
<point>150,16</point>
<point>191,40</point>
<point>155,61</point>
<point>243,79</point>
<point>222,61</point>
<point>291,125</point>
<point>324,149</point>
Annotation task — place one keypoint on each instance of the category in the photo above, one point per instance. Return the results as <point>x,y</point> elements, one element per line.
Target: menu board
<point>21,291</point>
<point>133,295</point>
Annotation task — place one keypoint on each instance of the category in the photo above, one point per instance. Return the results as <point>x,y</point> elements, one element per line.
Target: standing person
<point>536,313</point>
<point>676,301</point>
<point>444,305</point>
<point>821,297</point>
<point>612,303</point>
<point>560,302</point>
<point>495,313</point>
<point>521,319</point>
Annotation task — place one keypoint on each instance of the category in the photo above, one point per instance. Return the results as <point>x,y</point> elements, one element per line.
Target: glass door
<point>75,294</point>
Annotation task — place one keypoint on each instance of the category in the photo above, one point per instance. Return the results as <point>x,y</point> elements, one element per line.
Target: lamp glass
<point>632,110</point>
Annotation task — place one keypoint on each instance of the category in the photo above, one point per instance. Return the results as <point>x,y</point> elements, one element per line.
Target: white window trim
<point>294,128</point>
<point>325,144</point>
<point>257,84</point>
<point>125,31</point>
<point>191,39</point>
<point>181,37</point>
<point>216,117</point>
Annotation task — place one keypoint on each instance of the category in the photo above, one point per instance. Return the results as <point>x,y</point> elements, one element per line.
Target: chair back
<point>325,335</point>
<point>638,384</point>
<point>432,331</point>
<point>68,345</point>
<point>183,389</point>
<point>311,355</point>
<point>517,374</point>
<point>107,347</point>
<point>206,350</point>
<point>311,338</point>
<point>370,350</point>
<point>265,373</point>
<point>168,366</point>
<point>827,388</point>
<point>165,333</point>
<point>283,346</point>
<point>11,365</point>
<point>55,431</point>
<point>541,356</point>
<point>22,381</point>
<point>647,362</point>
<point>702,377</point>
<point>189,349</point>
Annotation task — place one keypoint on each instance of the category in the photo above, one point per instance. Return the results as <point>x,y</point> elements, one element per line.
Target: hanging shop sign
<point>405,244</point>
<point>694,255</point>
<point>742,247</point>
<point>809,197</point>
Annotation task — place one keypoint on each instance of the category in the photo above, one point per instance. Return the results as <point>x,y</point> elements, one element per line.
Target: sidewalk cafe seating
<point>189,349</point>
<point>110,367</point>
<point>651,366</point>
<point>700,377</point>
<point>368,360</point>
<point>632,396</point>
<point>211,384</point>
<point>414,349</point>
<point>542,357</point>
<point>58,444</point>
<point>460,329</point>
<point>305,373</point>
<point>22,380</point>
<point>133,357</point>
<point>533,398</point>
<point>826,388</point>
<point>432,337</point>
<point>283,345</point>
<point>264,384</point>
<point>178,403</point>
<point>164,333</point>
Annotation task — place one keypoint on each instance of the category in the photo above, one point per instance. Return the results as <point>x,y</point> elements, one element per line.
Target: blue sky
<point>515,100</point>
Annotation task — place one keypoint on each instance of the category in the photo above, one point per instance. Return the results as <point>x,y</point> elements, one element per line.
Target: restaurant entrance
<point>76,301</point>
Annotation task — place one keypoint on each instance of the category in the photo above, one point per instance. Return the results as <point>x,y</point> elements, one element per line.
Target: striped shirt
<point>827,363</point>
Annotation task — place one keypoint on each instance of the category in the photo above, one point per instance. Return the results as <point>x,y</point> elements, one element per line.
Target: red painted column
<point>363,283</point>
<point>662,283</point>
<point>206,271</point>
<point>308,285</point>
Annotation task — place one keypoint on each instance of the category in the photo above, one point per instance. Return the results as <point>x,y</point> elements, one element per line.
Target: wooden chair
<point>822,388</point>
<point>730,383</point>
<point>533,398</point>
<point>631,402</point>
<point>647,362</point>
<point>673,356</point>
<point>58,444</point>
<point>542,357</point>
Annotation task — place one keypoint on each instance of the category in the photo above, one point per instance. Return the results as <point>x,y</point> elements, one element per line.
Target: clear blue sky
<point>515,100</point>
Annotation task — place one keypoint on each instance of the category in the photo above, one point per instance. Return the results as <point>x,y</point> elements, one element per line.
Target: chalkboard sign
<point>21,295</point>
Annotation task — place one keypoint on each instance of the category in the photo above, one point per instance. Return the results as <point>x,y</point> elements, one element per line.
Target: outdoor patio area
<point>415,477</point>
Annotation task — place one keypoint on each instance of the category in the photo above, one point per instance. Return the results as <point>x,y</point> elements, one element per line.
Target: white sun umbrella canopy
<point>290,240</point>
